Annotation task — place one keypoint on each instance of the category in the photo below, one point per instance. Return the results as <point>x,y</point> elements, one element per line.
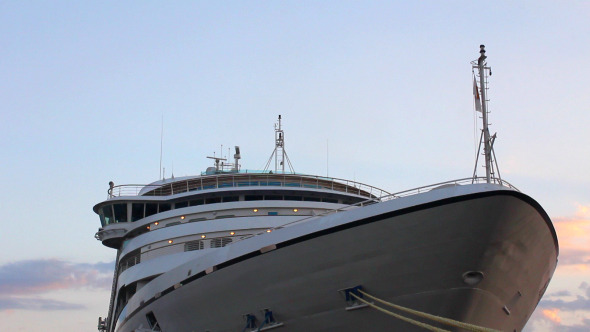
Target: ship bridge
<point>247,190</point>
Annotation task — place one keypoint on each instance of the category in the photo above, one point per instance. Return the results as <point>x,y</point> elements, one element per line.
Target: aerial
<point>374,92</point>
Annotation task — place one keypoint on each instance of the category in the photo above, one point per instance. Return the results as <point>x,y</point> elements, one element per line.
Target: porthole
<point>472,278</point>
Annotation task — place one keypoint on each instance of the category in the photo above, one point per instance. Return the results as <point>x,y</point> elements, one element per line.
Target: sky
<point>375,91</point>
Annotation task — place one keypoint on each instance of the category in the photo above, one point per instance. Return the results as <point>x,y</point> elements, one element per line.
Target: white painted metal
<point>486,133</point>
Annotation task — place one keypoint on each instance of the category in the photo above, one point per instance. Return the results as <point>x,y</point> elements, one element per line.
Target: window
<point>107,212</point>
<point>164,207</point>
<point>102,222</point>
<point>253,197</point>
<point>194,245</point>
<point>231,198</point>
<point>212,200</point>
<point>293,198</point>
<point>150,209</point>
<point>329,200</point>
<point>120,212</point>
<point>137,211</point>
<point>180,205</point>
<point>311,199</point>
<point>152,321</point>
<point>196,202</point>
<point>220,242</point>
<point>273,197</point>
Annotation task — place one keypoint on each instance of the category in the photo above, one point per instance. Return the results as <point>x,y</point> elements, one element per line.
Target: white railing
<point>225,180</point>
<point>457,182</point>
<point>400,194</point>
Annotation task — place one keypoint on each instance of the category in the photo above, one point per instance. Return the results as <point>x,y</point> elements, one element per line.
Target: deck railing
<point>401,194</point>
<point>245,179</point>
<point>457,182</point>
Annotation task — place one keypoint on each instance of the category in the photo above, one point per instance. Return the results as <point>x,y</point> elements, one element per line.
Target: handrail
<point>470,180</point>
<point>399,194</point>
<point>246,179</point>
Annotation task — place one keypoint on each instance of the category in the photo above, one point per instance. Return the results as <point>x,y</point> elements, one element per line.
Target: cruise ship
<point>238,250</point>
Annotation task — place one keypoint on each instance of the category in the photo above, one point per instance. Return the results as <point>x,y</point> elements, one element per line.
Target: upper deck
<point>243,180</point>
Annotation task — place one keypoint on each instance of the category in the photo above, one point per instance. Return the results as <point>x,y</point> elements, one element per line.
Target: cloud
<point>22,281</point>
<point>583,211</point>
<point>45,275</point>
<point>552,315</point>
<point>568,309</point>
<point>574,239</point>
<point>11,303</point>
<point>583,327</point>
<point>580,303</point>
<point>560,293</point>
<point>571,315</point>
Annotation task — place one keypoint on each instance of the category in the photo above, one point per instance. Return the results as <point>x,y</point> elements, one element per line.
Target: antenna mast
<point>481,105</point>
<point>279,153</point>
<point>161,175</point>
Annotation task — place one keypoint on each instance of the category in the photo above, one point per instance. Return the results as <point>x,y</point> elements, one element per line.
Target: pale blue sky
<point>84,85</point>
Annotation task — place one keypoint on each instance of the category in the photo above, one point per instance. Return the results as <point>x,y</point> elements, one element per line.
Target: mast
<point>279,153</point>
<point>484,110</point>
<point>481,105</point>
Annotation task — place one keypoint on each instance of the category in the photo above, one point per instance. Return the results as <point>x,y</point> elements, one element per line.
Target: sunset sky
<point>374,91</point>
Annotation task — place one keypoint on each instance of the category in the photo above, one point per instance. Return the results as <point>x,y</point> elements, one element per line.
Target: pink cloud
<point>552,315</point>
<point>21,281</point>
<point>574,239</point>
<point>44,275</point>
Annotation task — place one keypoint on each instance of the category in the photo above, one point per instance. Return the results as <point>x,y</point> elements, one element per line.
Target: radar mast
<point>481,105</point>
<point>279,153</point>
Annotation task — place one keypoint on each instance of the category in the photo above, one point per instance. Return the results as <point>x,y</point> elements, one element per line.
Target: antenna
<point>237,158</point>
<point>481,105</point>
<point>161,175</point>
<point>327,159</point>
<point>279,152</point>
<point>217,160</point>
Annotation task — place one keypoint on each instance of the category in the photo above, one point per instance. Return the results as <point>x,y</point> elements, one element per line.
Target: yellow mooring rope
<point>405,319</point>
<point>443,320</point>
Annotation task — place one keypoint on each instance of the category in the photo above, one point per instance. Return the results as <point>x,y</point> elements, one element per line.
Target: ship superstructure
<point>240,250</point>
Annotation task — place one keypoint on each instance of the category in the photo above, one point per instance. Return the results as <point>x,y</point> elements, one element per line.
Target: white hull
<point>412,251</point>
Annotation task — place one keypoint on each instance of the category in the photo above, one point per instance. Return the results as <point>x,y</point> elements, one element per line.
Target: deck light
<point>232,233</point>
<point>268,230</point>
<point>156,223</point>
<point>181,217</point>
<point>255,210</point>
<point>295,210</point>
<point>148,227</point>
<point>202,236</point>
<point>169,241</point>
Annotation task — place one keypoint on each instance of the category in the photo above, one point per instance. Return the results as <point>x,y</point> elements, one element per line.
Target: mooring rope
<point>443,320</point>
<point>405,319</point>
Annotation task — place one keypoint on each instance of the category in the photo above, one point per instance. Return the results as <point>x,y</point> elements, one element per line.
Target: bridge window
<point>107,212</point>
<point>120,212</point>
<point>150,209</point>
<point>137,211</point>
